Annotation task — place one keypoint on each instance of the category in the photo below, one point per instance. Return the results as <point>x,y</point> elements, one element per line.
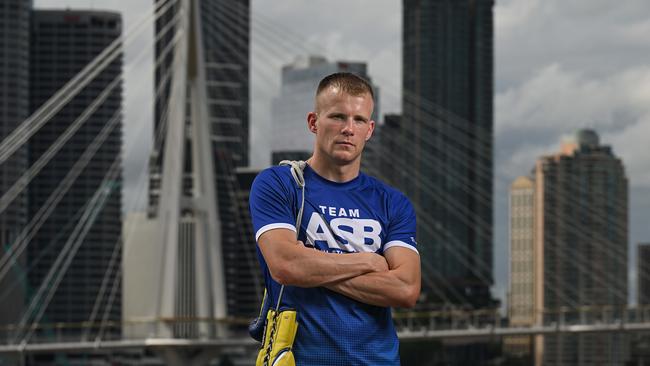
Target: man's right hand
<point>377,262</point>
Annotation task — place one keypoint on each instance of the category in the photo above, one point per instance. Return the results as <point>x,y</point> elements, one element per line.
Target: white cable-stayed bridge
<point>199,319</point>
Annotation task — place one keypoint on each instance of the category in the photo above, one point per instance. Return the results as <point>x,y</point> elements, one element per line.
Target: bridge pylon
<point>177,287</point>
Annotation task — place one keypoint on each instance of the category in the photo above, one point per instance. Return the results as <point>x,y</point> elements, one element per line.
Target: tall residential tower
<point>63,42</point>
<point>522,310</point>
<point>14,108</point>
<point>643,274</point>
<point>446,133</point>
<point>574,257</point>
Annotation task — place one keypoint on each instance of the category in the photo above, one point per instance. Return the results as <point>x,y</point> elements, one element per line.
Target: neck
<point>334,171</point>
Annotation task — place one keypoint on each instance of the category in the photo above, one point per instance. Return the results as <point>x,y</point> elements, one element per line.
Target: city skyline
<point>577,79</point>
<point>561,90</point>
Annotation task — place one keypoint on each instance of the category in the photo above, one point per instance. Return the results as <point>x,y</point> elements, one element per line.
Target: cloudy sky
<point>560,65</point>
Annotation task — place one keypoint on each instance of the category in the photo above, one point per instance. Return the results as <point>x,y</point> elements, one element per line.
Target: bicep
<point>404,263</point>
<point>276,245</point>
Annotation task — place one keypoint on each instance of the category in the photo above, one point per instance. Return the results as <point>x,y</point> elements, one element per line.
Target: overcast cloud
<point>563,65</point>
<point>560,65</point>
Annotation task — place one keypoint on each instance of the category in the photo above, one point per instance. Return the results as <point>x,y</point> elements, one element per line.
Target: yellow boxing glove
<point>279,334</point>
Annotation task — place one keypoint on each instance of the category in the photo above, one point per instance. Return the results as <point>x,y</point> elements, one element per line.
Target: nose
<point>348,127</point>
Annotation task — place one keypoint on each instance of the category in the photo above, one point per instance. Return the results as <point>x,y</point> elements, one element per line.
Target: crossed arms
<point>389,280</point>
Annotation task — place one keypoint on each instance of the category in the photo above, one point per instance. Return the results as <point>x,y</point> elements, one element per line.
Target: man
<point>364,231</point>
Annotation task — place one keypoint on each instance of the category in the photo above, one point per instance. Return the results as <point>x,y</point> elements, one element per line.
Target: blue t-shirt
<point>362,215</point>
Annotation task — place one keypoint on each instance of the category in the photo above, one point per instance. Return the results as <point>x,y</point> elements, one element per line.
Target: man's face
<point>342,124</point>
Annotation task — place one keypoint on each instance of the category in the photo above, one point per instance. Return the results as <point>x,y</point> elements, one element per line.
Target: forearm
<point>397,287</point>
<point>379,288</point>
<point>291,263</point>
<point>312,268</point>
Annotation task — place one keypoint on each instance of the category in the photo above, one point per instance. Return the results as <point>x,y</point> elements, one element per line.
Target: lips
<point>345,143</point>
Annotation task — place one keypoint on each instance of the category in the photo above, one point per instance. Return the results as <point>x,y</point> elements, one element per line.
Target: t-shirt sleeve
<point>271,204</point>
<point>401,227</point>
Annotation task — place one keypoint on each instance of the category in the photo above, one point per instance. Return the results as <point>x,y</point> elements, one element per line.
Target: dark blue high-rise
<point>446,135</point>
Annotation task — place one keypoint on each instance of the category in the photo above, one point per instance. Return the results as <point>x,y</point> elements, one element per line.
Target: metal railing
<point>410,325</point>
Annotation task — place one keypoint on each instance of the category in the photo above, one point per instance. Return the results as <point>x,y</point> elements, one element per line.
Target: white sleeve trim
<point>268,227</point>
<point>399,243</point>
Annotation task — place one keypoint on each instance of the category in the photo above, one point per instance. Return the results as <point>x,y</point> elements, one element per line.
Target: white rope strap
<point>297,168</point>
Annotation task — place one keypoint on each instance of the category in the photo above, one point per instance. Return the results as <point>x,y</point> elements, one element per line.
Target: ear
<point>312,117</point>
<point>371,124</point>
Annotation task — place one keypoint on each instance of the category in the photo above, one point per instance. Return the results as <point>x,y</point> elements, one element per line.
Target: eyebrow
<point>360,117</point>
<point>356,116</point>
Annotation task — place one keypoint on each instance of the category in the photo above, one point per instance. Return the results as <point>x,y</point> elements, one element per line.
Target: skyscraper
<point>523,261</point>
<point>643,274</point>
<point>575,254</point>
<point>290,138</point>
<point>446,133</point>
<point>243,277</point>
<point>224,31</point>
<point>640,342</point>
<point>14,108</point>
<point>62,43</point>
<point>378,152</point>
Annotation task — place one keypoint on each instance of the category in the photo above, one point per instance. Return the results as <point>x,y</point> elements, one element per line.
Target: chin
<point>344,159</point>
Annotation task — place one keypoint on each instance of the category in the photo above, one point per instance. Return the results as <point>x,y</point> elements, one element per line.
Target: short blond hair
<point>348,82</point>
